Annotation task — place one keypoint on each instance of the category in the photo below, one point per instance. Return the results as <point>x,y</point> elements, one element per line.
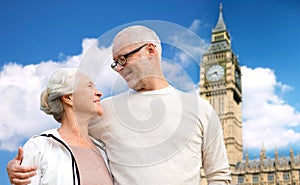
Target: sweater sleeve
<point>215,160</point>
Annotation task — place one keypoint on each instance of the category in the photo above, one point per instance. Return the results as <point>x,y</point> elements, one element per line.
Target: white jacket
<point>54,159</point>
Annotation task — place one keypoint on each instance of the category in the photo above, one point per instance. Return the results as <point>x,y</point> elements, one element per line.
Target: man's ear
<point>151,49</point>
<point>67,99</point>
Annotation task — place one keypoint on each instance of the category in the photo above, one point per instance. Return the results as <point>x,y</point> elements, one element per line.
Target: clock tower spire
<point>220,84</point>
<point>220,25</point>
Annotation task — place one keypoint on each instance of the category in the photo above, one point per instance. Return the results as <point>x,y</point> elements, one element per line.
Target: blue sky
<point>36,36</point>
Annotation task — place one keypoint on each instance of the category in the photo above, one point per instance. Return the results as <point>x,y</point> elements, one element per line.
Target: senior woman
<point>68,155</point>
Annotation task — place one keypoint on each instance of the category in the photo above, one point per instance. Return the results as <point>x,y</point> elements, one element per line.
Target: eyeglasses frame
<point>122,59</point>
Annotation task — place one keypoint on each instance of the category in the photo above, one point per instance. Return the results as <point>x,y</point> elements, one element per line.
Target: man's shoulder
<point>195,97</point>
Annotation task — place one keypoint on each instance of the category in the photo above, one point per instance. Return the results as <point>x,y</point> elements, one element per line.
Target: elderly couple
<point>153,134</point>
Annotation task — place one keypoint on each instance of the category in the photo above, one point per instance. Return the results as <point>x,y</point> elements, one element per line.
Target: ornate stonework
<point>263,171</point>
<point>220,84</point>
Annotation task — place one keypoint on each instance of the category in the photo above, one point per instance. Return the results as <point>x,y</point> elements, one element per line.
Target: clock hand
<point>214,73</point>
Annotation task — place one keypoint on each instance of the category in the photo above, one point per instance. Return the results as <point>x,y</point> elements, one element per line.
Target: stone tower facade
<point>220,84</point>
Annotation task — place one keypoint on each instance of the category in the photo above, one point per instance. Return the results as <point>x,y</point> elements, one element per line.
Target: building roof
<point>269,162</point>
<point>218,47</point>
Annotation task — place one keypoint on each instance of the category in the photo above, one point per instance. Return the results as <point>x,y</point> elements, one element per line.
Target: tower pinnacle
<point>220,25</point>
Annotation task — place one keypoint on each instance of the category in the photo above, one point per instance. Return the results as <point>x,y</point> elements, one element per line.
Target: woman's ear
<point>67,99</point>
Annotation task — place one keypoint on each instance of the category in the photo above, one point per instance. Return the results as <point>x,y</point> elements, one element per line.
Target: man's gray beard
<point>141,71</point>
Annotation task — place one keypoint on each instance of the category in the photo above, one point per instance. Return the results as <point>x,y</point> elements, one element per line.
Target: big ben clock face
<point>215,73</point>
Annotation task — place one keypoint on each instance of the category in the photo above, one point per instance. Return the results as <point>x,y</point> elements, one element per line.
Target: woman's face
<point>86,97</point>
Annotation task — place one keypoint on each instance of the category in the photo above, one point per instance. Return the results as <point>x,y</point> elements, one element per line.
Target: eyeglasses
<point>123,58</point>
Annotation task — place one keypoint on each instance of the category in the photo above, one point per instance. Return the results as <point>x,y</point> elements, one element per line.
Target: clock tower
<point>220,84</point>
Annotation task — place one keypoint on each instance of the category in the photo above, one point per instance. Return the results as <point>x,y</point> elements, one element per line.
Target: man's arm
<point>19,175</point>
<point>215,160</point>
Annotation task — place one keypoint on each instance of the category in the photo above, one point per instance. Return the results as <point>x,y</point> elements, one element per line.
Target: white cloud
<point>96,61</point>
<point>19,96</point>
<point>20,88</point>
<point>267,119</point>
<point>178,77</point>
<point>190,44</point>
<point>195,25</point>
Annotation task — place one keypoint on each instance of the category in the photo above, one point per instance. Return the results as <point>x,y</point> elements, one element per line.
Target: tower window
<point>270,177</point>
<point>286,176</point>
<point>220,37</point>
<point>240,179</point>
<point>255,178</point>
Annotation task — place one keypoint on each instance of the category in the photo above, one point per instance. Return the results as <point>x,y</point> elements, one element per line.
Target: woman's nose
<point>98,93</point>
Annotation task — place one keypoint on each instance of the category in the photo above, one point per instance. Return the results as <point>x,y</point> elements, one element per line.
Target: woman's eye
<point>91,85</point>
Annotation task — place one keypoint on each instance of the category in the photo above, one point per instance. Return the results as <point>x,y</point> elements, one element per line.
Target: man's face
<point>137,67</point>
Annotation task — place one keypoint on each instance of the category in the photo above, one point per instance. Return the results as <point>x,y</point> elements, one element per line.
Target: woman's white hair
<point>61,83</point>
